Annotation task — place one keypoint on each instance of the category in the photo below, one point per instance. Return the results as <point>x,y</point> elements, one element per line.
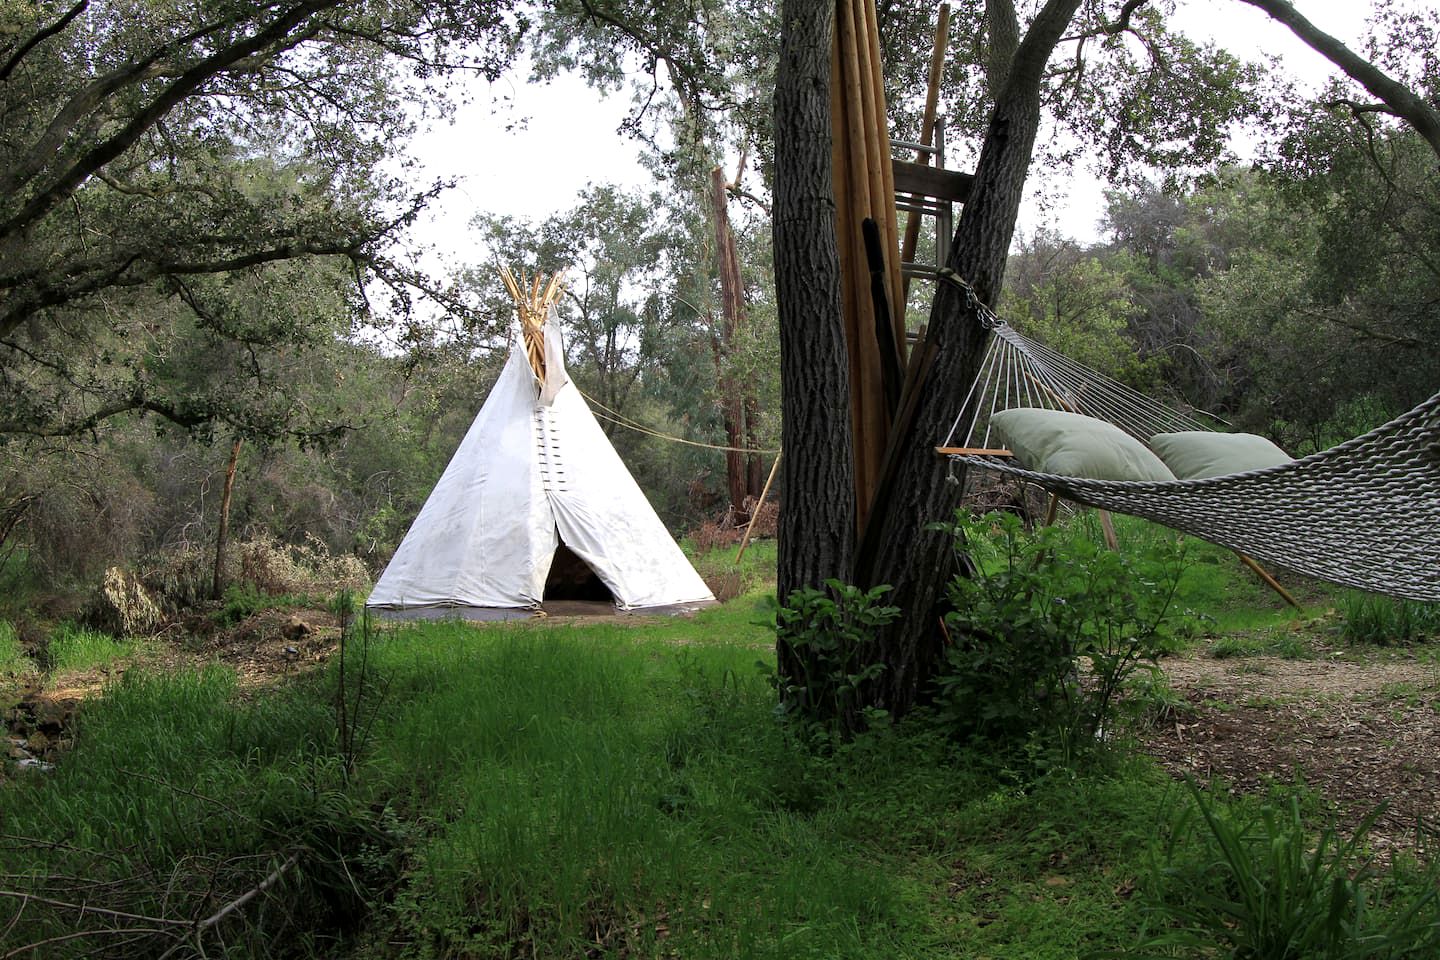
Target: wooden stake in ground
<point>755,513</point>
<point>1270,581</point>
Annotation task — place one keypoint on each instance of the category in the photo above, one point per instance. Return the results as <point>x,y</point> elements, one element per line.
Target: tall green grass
<point>606,795</point>
<point>620,792</point>
<point>72,647</point>
<point>1388,621</point>
<point>1269,887</point>
<point>177,798</point>
<point>559,790</point>
<point>12,656</point>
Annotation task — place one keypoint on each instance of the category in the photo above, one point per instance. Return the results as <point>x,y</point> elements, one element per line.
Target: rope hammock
<point>1362,514</point>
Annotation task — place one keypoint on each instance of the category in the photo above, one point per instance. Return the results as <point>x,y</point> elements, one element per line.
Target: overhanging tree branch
<point>133,271</point>
<point>40,37</point>
<point>1122,22</point>
<point>1400,100</point>
<point>184,86</point>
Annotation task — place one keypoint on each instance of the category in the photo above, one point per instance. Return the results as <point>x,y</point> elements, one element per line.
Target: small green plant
<point>1279,643</point>
<point>1388,621</point>
<point>1269,889</point>
<point>244,600</point>
<point>357,703</point>
<point>829,656</point>
<point>74,647</point>
<point>1043,634</point>
<point>1153,701</point>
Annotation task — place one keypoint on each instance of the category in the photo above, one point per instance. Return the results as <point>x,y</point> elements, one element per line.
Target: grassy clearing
<point>559,790</point>
<point>556,790</point>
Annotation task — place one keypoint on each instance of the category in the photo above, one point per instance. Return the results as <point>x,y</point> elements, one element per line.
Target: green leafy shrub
<point>829,655</point>
<point>1044,633</point>
<point>1388,621</point>
<point>1268,889</point>
<point>244,600</point>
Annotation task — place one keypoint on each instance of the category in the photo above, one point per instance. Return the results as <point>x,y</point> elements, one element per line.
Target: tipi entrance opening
<point>572,579</point>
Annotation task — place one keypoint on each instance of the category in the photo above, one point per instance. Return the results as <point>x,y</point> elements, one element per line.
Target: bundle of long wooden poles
<point>533,297</point>
<point>865,189</point>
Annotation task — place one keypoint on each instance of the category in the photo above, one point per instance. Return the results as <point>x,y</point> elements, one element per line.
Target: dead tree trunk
<point>732,320</point>
<point>222,537</point>
<point>754,466</point>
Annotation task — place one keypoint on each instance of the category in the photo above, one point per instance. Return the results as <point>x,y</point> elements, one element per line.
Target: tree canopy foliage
<point>170,170</point>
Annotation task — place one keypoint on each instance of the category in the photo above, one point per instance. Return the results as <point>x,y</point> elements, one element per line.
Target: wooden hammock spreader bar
<point>973,452</point>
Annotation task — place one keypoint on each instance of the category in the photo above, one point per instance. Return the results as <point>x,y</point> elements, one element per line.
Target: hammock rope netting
<point>1363,514</point>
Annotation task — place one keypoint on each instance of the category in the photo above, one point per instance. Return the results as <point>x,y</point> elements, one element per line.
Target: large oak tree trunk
<point>817,528</point>
<point>912,558</point>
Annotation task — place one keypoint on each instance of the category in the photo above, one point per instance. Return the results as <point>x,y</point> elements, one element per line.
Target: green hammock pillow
<point>1197,454</point>
<point>1071,445</point>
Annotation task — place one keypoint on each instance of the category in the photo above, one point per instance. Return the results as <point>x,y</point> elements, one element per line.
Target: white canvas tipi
<point>534,471</point>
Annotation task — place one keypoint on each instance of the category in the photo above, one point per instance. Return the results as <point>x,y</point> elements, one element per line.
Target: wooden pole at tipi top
<point>533,298</point>
<point>864,187</point>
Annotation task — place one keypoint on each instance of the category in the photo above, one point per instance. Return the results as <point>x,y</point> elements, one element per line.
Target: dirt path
<point>1357,733</point>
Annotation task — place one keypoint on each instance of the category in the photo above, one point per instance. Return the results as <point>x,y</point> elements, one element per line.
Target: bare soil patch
<point>1357,733</point>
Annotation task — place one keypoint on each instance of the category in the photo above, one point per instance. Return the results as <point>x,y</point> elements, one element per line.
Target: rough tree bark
<point>817,528</point>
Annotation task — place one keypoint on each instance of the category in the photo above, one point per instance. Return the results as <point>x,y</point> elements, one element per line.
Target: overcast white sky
<point>572,137</point>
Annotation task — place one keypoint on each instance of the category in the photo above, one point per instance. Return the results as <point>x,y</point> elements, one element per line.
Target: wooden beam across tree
<point>950,185</point>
